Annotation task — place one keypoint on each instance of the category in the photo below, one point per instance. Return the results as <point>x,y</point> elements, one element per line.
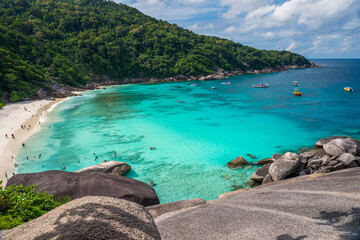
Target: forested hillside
<point>69,40</point>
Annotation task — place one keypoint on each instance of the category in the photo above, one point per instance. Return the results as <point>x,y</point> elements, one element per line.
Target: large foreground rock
<point>111,167</point>
<point>90,218</point>
<point>312,207</point>
<point>339,146</point>
<point>77,185</point>
<point>284,166</point>
<point>160,209</point>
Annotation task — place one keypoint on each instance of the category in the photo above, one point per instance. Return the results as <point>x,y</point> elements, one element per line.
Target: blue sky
<point>313,28</point>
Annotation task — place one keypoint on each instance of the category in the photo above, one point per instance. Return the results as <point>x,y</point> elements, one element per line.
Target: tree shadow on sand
<point>288,237</point>
<point>346,222</point>
<point>97,221</point>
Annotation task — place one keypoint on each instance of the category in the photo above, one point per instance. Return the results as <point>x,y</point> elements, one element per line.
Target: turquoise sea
<point>195,139</point>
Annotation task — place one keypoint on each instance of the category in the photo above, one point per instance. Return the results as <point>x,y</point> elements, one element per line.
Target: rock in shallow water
<point>111,167</point>
<point>77,185</point>
<point>237,162</point>
<point>265,161</point>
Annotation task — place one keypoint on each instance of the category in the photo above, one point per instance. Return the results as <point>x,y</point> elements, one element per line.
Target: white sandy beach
<point>12,116</point>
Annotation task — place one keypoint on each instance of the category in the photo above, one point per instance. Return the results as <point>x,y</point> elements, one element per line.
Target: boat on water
<point>297,92</point>
<point>296,83</point>
<point>226,83</point>
<point>260,85</point>
<point>193,84</point>
<point>213,88</point>
<point>348,89</point>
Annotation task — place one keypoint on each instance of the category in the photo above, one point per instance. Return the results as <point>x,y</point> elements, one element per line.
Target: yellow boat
<point>297,92</point>
<point>348,89</point>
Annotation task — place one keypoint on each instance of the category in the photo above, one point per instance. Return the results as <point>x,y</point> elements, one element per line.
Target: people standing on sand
<point>6,136</point>
<point>12,135</point>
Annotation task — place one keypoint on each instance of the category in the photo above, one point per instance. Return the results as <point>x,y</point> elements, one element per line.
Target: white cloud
<point>242,6</point>
<point>152,2</point>
<point>230,29</point>
<point>268,35</point>
<point>291,46</point>
<point>196,27</point>
<point>353,24</point>
<point>194,1</point>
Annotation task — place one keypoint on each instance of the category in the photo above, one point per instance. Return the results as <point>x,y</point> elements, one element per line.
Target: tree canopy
<point>68,40</point>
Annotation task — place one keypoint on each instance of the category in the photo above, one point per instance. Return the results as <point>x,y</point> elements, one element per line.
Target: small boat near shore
<point>297,92</point>
<point>296,83</point>
<point>226,83</point>
<point>193,84</point>
<point>348,89</point>
<point>260,85</point>
<point>213,88</point>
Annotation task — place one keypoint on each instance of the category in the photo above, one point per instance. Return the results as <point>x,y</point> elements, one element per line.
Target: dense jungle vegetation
<point>69,40</point>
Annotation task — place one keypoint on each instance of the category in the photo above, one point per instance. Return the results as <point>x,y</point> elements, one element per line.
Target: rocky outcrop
<point>323,141</point>
<point>319,206</point>
<point>111,167</point>
<point>340,146</point>
<point>237,162</point>
<point>259,175</point>
<point>90,218</point>
<point>284,166</point>
<point>335,153</point>
<point>77,185</point>
<point>160,209</point>
<point>41,94</point>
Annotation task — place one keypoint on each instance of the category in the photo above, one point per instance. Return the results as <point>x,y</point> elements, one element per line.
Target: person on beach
<point>12,135</point>
<point>6,136</point>
<point>23,144</point>
<point>6,176</point>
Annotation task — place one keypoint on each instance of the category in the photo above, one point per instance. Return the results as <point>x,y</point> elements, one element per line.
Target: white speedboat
<point>296,83</point>
<point>226,83</point>
<point>348,89</point>
<point>193,84</point>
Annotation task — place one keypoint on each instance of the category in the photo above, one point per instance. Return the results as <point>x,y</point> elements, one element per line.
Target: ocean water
<point>195,139</point>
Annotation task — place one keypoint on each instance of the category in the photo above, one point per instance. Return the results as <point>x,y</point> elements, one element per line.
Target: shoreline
<point>12,116</point>
<point>42,107</point>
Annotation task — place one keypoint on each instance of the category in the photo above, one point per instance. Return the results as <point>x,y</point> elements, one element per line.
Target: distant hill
<point>68,41</point>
